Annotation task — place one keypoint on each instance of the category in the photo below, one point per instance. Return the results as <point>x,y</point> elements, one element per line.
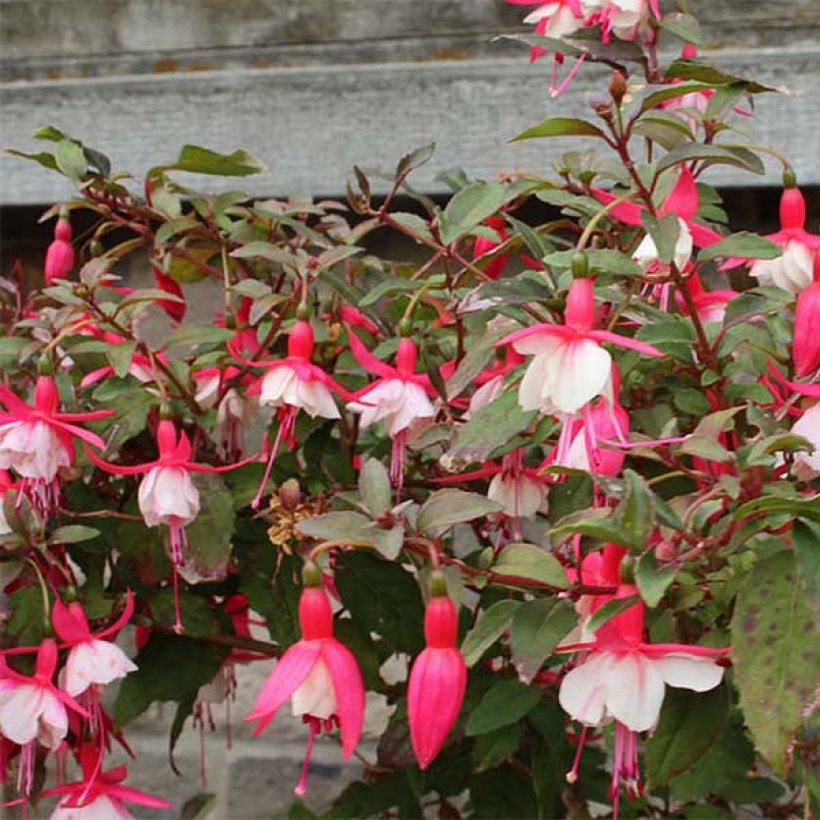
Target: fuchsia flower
<point>175,309</point>
<point>710,305</point>
<point>484,245</point>
<point>6,484</point>
<point>569,367</point>
<point>36,441</point>
<point>167,494</point>
<point>60,254</point>
<point>682,201</point>
<point>34,709</point>
<point>140,367</point>
<point>793,270</point>
<point>398,397</point>
<point>293,384</point>
<point>624,679</point>
<point>99,795</point>
<point>91,660</point>
<point>438,679</point>
<point>620,17</point>
<point>320,677</point>
<point>490,382</point>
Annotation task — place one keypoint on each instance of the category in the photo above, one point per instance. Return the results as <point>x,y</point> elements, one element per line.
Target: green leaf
<point>601,260</point>
<point>469,207</point>
<point>210,533</point>
<point>493,748</point>
<point>492,624</point>
<point>383,598</point>
<point>653,579</point>
<point>491,427</point>
<point>806,508</point>
<point>351,527</point>
<point>776,656</point>
<point>477,357</point>
<point>609,610</point>
<point>669,92</point>
<point>690,724</point>
<point>506,702</point>
<point>685,69</point>
<point>806,536</point>
<point>197,160</point>
<point>450,506</point>
<point>71,160</point>
<point>415,159</point>
<point>42,158</point>
<point>199,335</point>
<point>537,628</point>
<point>161,677</point>
<point>560,127</point>
<point>119,356</point>
<point>682,25</point>
<point>636,512</point>
<point>530,562</point>
<point>595,523</point>
<point>735,155</point>
<point>743,245</point>
<point>664,232</point>
<point>73,534</point>
<point>374,487</point>
<point>264,250</point>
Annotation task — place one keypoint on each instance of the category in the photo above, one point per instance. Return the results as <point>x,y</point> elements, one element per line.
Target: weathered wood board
<point>315,86</point>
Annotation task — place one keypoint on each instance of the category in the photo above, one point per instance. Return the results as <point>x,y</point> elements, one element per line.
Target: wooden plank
<point>59,38</point>
<point>313,124</point>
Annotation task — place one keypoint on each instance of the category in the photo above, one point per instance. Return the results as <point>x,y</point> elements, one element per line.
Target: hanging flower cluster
<point>539,510</point>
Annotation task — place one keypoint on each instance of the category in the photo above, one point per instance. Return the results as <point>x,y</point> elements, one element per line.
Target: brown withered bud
<point>617,86</point>
<point>289,494</point>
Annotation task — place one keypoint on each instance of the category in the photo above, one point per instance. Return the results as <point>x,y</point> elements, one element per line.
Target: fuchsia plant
<point>549,495</point>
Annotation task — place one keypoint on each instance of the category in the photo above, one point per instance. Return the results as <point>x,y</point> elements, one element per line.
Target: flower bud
<point>617,86</point>
<point>311,574</point>
<point>289,494</point>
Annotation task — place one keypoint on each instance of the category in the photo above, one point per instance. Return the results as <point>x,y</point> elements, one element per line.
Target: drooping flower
<point>490,382</point>
<point>92,661</point>
<point>60,253</point>
<point>569,367</point>
<point>398,398</point>
<point>793,269</point>
<point>484,245</point>
<point>100,795</point>
<point>319,676</point>
<point>623,18</point>
<point>293,384</point>
<point>624,679</point>
<point>438,678</point>
<point>36,441</point>
<point>34,709</point>
<point>175,308</point>
<point>167,494</point>
<point>710,305</point>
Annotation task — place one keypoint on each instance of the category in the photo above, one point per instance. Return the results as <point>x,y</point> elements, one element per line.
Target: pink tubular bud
<point>806,348</point>
<point>440,623</point>
<point>166,437</point>
<point>689,51</point>
<point>580,309</point>
<point>60,254</point>
<point>406,357</point>
<point>792,209</point>
<point>300,341</point>
<point>46,397</point>
<point>176,310</point>
<point>315,615</point>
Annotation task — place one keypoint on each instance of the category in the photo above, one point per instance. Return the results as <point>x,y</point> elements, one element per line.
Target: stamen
<point>572,774</point>
<point>286,422</point>
<point>301,786</point>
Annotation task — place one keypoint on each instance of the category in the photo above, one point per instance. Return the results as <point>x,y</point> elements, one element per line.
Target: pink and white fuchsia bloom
<point>793,269</point>
<point>167,495</point>
<point>438,679</point>
<point>569,366</point>
<point>99,795</point>
<point>36,441</point>
<point>398,398</point>
<point>319,676</point>
<point>92,661</point>
<point>34,709</point>
<point>293,384</point>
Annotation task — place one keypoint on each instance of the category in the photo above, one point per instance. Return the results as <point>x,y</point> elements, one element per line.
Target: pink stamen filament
<point>315,726</point>
<point>287,420</point>
<point>572,774</point>
<point>397,458</point>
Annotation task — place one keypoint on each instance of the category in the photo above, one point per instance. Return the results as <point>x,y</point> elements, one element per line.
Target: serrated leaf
<point>537,628</point>
<point>506,702</point>
<point>492,624</point>
<point>530,562</point>
<point>560,127</point>
<point>450,506</point>
<point>775,655</point>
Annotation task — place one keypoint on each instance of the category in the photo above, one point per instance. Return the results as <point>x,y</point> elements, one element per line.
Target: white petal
<point>101,808</point>
<point>97,662</point>
<point>581,375</point>
<point>316,399</point>
<point>582,694</point>
<point>20,710</point>
<point>275,385</point>
<point>530,393</point>
<point>685,671</point>
<point>53,722</point>
<point>315,695</point>
<point>635,690</point>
